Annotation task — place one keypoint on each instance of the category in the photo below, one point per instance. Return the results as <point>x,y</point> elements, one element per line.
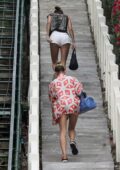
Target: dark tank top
<point>59,22</point>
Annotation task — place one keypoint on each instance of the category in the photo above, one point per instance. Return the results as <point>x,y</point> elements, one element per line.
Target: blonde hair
<point>59,67</point>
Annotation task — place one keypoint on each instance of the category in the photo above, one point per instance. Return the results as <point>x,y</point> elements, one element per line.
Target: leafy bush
<point>112,13</point>
<point>107,6</point>
<point>115,20</point>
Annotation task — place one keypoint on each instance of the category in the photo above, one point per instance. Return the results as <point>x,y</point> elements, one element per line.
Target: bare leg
<point>63,129</point>
<point>64,53</point>
<point>71,127</point>
<point>54,48</point>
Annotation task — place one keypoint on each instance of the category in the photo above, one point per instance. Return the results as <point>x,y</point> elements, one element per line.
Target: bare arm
<point>71,32</point>
<point>48,26</point>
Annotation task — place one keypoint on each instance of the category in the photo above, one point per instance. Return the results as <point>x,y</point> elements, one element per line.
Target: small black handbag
<point>73,61</point>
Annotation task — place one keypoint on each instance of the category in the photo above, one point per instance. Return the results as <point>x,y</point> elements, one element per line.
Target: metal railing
<point>18,125</point>
<point>108,67</point>
<point>14,142</point>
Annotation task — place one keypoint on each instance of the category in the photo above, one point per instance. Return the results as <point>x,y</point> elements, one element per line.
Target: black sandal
<point>73,148</point>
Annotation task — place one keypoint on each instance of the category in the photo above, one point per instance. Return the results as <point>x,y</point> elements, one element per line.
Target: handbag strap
<point>74,51</point>
<point>83,94</point>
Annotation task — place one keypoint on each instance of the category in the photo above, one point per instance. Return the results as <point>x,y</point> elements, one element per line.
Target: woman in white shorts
<point>60,35</point>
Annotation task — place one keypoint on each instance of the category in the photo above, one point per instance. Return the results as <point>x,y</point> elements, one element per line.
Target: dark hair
<point>58,10</point>
<point>59,68</point>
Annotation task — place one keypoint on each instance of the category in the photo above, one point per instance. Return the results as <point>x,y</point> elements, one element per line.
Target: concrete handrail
<point>33,143</point>
<point>109,70</point>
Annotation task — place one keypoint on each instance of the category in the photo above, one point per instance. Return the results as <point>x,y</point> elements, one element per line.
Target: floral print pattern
<point>63,93</point>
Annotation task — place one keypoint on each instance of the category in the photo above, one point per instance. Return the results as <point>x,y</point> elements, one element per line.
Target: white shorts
<point>60,38</point>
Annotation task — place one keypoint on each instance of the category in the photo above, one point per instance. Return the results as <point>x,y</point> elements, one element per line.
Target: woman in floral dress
<point>63,94</point>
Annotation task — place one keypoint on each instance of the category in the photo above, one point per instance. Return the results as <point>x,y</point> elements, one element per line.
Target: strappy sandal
<point>64,160</point>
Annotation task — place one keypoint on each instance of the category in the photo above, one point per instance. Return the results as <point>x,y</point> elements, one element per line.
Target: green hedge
<point>107,6</point>
<point>111,22</point>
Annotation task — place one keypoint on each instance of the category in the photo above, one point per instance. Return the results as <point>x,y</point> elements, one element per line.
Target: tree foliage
<point>112,13</point>
<point>115,18</point>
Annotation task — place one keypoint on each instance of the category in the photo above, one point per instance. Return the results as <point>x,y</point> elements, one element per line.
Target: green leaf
<point>112,38</point>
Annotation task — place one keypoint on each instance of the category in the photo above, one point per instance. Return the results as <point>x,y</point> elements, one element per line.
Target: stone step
<point>105,165</point>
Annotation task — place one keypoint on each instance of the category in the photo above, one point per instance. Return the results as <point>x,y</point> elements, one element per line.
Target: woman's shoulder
<point>56,14</point>
<point>70,77</point>
<point>51,14</point>
<point>52,83</point>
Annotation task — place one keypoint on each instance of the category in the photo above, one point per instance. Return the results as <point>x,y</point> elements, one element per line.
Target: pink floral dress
<point>63,96</point>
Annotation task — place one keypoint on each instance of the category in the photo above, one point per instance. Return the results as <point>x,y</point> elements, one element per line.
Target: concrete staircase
<point>92,134</point>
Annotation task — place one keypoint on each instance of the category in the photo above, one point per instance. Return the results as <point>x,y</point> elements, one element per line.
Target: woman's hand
<point>73,45</point>
<point>48,39</point>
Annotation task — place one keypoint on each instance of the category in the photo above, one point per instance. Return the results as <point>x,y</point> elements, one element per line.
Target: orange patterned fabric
<point>63,93</point>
